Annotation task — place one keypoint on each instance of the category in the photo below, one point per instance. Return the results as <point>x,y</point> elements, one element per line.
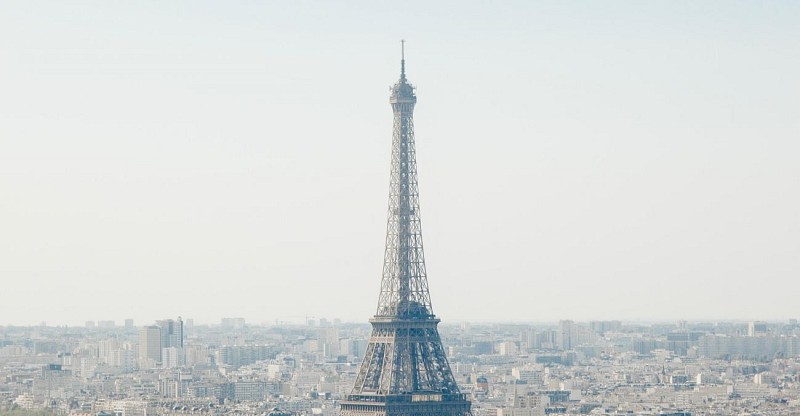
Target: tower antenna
<point>403,59</point>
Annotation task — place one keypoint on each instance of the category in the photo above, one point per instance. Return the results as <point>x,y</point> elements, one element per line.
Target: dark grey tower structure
<point>405,370</point>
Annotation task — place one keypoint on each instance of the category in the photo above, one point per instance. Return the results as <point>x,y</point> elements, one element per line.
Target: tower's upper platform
<point>403,92</point>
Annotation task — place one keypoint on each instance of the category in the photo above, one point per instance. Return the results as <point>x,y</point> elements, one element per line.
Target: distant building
<point>149,346</point>
<point>482,347</point>
<point>547,339</point>
<point>507,348</point>
<point>123,358</point>
<point>756,347</point>
<point>104,349</point>
<point>756,329</point>
<point>567,335</point>
<point>601,327</point>
<point>47,347</point>
<point>171,333</point>
<point>249,390</point>
<point>172,357</point>
<point>232,323</point>
<point>352,347</point>
<point>239,355</point>
<point>530,376</point>
<point>328,341</point>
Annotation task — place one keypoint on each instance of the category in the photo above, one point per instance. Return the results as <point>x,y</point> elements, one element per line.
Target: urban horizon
<point>331,321</point>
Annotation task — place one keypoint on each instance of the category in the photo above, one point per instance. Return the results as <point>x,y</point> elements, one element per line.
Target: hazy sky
<point>585,160</point>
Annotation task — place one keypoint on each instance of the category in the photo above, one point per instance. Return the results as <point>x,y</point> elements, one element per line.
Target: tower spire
<point>403,60</point>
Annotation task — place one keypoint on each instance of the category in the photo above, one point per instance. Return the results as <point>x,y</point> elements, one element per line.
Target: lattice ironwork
<point>405,357</point>
<point>405,369</point>
<point>404,287</point>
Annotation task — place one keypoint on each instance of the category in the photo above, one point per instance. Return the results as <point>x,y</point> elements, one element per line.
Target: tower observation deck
<point>405,370</point>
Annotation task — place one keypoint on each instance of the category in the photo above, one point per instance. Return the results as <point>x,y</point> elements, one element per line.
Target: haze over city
<point>615,160</point>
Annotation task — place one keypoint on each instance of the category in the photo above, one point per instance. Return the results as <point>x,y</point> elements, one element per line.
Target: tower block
<point>405,370</point>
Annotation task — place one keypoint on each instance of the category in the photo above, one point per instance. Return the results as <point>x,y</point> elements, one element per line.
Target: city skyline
<point>584,162</point>
<point>530,370</point>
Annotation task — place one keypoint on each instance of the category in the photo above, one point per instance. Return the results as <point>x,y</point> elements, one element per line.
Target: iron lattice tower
<point>405,370</point>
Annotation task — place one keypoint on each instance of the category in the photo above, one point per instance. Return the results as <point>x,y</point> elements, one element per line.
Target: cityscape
<point>556,292</point>
<point>176,367</point>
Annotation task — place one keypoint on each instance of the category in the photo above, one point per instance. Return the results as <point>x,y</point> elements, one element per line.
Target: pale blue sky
<point>584,160</point>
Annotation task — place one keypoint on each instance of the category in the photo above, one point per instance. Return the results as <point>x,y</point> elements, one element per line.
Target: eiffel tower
<point>405,370</point>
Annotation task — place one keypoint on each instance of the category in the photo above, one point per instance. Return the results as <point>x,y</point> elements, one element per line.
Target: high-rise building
<point>405,370</point>
<point>756,328</point>
<point>105,348</point>
<point>171,333</point>
<point>329,341</point>
<point>567,335</point>
<point>166,337</point>
<point>149,346</point>
<point>171,342</point>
